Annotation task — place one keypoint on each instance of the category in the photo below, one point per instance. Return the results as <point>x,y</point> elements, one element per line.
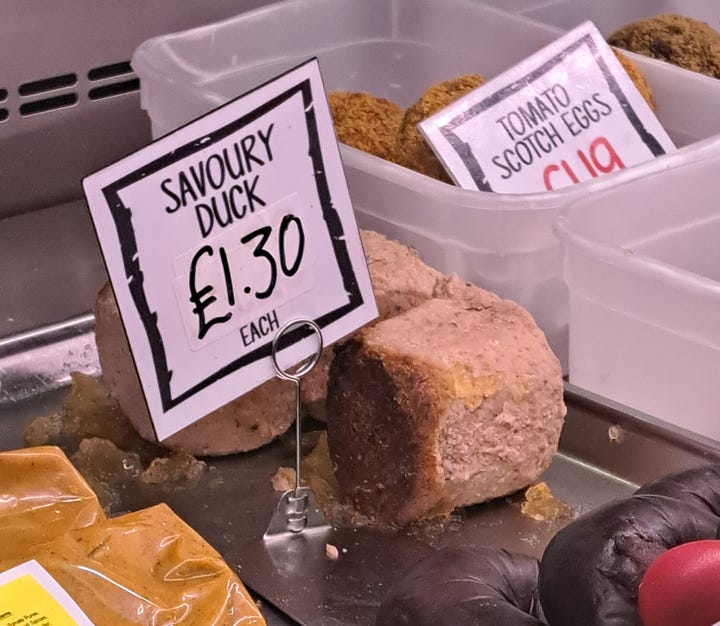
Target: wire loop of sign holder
<point>298,510</point>
<point>306,365</point>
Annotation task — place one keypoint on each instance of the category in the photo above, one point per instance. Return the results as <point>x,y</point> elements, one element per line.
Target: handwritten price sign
<point>224,285</point>
<point>567,114</point>
<point>218,234</point>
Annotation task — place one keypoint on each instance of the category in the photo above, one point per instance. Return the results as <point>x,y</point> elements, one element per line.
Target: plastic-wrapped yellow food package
<point>42,496</point>
<point>143,568</point>
<point>146,567</point>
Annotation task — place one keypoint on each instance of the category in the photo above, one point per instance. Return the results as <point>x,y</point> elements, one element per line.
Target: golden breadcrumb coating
<point>365,122</point>
<point>411,150</point>
<point>637,77</point>
<point>675,39</point>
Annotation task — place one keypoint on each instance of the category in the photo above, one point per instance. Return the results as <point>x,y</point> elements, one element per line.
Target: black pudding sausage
<point>591,570</point>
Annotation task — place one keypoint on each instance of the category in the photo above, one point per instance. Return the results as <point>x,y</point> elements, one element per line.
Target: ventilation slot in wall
<point>47,84</point>
<point>59,92</point>
<point>48,104</point>
<point>3,95</point>
<point>110,71</point>
<point>4,113</point>
<point>127,81</point>
<point>114,89</point>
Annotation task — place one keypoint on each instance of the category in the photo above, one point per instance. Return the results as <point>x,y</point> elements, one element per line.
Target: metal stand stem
<point>297,510</point>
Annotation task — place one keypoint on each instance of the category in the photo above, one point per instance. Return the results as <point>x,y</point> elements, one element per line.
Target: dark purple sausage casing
<point>591,570</point>
<point>465,587</point>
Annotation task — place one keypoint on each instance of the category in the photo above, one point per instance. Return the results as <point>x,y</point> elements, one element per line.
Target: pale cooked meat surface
<point>446,405</point>
<point>246,423</point>
<point>400,282</point>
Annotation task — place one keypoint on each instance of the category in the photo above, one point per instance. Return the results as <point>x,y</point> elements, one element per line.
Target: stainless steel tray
<point>606,451</point>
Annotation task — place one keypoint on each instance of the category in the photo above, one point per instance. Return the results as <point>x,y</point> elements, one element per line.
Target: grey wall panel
<point>44,155</point>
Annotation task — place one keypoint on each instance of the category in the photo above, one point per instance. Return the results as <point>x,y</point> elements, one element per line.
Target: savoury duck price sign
<point>218,234</point>
<point>567,114</point>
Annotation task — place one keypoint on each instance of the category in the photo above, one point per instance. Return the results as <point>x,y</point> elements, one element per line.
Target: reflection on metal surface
<point>647,447</point>
<point>52,268</point>
<point>38,361</point>
<point>290,556</point>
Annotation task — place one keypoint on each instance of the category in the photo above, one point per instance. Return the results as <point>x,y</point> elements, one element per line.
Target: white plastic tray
<point>396,49</point>
<point>643,269</point>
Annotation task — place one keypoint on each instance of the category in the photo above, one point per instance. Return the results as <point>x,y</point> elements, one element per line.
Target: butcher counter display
<point>455,476</point>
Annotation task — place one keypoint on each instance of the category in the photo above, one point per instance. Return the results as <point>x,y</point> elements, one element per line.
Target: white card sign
<point>219,233</point>
<point>567,114</point>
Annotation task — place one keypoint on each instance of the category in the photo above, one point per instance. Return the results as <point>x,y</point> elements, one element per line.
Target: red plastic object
<point>682,586</point>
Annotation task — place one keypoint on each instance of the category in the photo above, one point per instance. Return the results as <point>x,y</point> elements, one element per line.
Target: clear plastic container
<point>642,263</point>
<point>609,15</point>
<point>517,6</point>
<point>396,49</point>
<point>391,48</point>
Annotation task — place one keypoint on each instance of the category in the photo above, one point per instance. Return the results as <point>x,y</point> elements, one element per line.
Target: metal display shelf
<point>605,453</point>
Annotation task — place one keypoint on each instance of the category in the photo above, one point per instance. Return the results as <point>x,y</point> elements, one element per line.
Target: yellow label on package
<point>29,596</point>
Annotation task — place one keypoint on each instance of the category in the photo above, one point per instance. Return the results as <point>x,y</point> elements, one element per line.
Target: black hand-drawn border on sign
<point>122,217</point>
<point>464,150</point>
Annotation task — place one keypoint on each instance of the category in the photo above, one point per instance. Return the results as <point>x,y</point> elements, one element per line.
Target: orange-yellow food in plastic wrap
<point>146,567</point>
<point>143,568</point>
<point>42,496</point>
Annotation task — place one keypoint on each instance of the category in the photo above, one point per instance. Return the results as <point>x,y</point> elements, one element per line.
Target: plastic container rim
<point>640,264</point>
